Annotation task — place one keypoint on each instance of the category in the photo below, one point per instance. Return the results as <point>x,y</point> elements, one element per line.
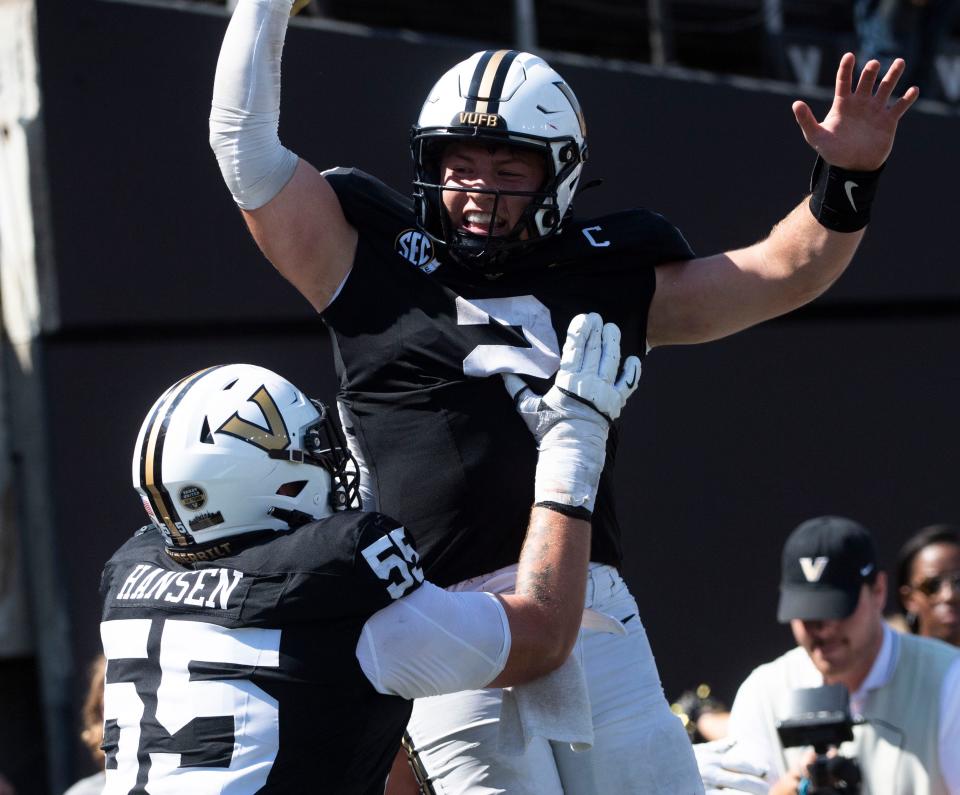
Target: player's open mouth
<point>478,223</point>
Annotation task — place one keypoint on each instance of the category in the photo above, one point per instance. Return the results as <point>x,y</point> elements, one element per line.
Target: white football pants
<point>639,745</point>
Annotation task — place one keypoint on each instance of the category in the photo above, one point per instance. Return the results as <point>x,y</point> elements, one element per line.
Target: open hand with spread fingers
<point>858,131</point>
<point>571,421</point>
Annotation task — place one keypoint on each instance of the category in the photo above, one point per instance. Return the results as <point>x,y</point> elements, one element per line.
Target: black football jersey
<point>238,673</point>
<point>420,343</point>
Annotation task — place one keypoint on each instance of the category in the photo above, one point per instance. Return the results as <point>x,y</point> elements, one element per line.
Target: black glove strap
<point>840,199</point>
<point>573,511</point>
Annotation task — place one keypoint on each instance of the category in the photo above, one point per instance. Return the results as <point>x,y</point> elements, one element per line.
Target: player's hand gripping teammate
<point>570,423</point>
<point>566,417</point>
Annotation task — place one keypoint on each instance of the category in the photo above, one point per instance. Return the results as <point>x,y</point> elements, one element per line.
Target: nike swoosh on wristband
<point>848,186</point>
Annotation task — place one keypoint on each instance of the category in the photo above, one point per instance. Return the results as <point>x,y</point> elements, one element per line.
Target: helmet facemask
<point>535,111</point>
<point>325,444</point>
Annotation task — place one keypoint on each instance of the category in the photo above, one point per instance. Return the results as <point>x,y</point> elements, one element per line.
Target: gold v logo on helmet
<point>273,437</point>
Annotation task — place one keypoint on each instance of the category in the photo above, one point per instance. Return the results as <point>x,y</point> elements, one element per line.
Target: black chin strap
<point>296,456</point>
<point>293,518</point>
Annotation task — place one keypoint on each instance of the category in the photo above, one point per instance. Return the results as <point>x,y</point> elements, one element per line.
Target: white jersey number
<point>203,693</point>
<point>401,571</point>
<point>541,359</point>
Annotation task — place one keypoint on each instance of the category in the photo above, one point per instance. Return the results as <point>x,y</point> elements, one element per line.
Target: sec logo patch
<point>417,249</point>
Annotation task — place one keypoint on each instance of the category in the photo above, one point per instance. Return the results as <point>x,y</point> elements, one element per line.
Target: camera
<point>820,716</point>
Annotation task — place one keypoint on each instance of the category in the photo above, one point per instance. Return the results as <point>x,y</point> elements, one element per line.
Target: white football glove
<point>570,422</point>
<point>726,769</point>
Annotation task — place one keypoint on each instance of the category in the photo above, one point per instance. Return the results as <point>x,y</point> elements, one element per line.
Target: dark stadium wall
<point>146,232</point>
<point>848,406</point>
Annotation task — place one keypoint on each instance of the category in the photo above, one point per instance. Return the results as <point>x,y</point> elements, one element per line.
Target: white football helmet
<point>236,448</point>
<point>499,97</point>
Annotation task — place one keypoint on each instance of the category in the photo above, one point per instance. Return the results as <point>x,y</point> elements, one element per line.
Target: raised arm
<point>293,214</point>
<point>710,297</point>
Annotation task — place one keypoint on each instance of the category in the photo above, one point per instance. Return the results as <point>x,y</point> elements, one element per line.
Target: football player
<point>260,637</point>
<point>478,274</point>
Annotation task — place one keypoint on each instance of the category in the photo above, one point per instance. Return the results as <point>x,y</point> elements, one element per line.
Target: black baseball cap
<point>825,562</point>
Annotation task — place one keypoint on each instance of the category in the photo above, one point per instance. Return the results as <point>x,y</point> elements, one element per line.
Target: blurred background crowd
<point>792,40</point>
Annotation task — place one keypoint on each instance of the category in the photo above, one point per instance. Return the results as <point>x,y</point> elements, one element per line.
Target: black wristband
<point>573,511</point>
<point>840,199</point>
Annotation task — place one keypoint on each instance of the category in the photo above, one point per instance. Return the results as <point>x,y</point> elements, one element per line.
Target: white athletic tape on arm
<point>245,114</point>
<point>571,458</point>
<point>435,641</point>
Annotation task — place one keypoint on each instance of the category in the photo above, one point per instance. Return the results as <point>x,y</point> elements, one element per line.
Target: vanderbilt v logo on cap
<point>825,563</point>
<point>813,568</point>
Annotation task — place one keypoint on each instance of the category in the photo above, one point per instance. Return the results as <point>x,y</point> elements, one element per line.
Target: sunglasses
<point>931,585</point>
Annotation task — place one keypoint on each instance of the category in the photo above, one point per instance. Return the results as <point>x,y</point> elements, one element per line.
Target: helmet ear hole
<point>292,488</point>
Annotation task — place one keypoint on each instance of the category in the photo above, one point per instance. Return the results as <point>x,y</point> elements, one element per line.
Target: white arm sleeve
<point>246,104</point>
<point>434,641</point>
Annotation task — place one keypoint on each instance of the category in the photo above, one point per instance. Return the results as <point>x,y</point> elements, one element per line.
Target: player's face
<point>483,167</point>
<point>843,650</point>
<point>933,594</point>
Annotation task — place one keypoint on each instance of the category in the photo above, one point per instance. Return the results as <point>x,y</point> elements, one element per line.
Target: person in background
<point>702,714</point>
<point>91,732</point>
<point>904,689</point>
<point>928,582</point>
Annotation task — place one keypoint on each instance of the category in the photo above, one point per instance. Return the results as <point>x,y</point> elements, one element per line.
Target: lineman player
<point>258,635</point>
<point>479,276</point>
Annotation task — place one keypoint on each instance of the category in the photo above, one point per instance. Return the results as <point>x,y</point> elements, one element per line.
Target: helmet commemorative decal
<point>205,521</point>
<point>193,497</point>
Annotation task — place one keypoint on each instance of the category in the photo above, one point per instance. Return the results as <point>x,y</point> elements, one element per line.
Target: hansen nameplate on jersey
<point>204,588</point>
